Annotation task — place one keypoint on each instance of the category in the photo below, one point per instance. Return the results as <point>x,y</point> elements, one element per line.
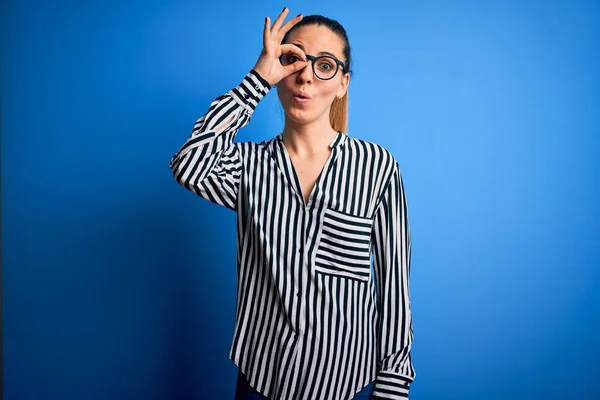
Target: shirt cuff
<point>250,91</point>
<point>390,385</point>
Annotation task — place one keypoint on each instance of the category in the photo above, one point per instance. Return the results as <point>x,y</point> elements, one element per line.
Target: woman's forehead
<point>315,39</point>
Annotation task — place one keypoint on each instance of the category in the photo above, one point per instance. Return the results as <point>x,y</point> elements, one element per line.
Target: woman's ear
<point>343,86</point>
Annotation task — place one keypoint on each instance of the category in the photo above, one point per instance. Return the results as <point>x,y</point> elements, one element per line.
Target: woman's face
<point>313,40</point>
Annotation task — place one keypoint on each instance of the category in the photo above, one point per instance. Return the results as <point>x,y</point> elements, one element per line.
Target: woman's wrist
<point>263,74</point>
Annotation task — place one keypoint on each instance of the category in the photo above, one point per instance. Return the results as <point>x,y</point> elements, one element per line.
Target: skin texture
<point>312,116</point>
<point>307,131</point>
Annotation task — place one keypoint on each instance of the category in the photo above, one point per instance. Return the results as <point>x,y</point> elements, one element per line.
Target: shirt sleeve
<point>391,263</point>
<point>209,163</point>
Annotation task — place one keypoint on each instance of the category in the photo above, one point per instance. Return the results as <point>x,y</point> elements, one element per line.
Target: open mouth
<point>301,97</point>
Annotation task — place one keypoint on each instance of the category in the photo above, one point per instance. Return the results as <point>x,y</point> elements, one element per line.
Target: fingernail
<point>283,9</point>
<point>298,15</point>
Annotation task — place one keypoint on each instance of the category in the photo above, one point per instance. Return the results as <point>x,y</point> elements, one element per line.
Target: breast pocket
<point>344,246</point>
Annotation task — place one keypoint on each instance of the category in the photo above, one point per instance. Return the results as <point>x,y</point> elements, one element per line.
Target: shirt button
<point>247,96</point>
<point>300,249</point>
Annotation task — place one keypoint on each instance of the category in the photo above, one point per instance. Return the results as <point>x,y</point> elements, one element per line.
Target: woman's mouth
<point>301,98</point>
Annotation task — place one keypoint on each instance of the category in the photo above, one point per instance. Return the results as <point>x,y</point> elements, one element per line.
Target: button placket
<point>301,249</point>
<point>302,306</point>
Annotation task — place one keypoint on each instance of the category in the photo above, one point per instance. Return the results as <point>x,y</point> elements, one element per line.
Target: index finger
<point>293,49</point>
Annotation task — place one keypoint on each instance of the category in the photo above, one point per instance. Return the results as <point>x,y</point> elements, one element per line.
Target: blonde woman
<point>313,319</point>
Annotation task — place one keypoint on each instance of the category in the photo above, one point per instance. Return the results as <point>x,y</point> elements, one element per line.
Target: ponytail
<point>338,114</point>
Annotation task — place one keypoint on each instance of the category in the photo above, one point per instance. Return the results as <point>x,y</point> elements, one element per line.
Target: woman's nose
<point>306,73</point>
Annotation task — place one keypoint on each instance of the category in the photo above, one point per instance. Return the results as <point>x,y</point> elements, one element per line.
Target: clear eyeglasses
<point>324,67</point>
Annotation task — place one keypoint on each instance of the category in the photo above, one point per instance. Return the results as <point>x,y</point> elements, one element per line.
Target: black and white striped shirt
<point>314,318</point>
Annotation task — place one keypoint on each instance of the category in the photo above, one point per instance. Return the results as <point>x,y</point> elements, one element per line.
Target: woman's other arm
<point>391,261</point>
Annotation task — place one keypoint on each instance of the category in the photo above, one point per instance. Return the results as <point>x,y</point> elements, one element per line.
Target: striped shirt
<point>323,303</point>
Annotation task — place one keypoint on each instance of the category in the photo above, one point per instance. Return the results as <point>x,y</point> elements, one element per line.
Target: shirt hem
<point>236,362</point>
<point>252,385</point>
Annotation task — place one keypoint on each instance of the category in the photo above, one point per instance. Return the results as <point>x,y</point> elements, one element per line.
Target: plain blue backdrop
<point>120,284</point>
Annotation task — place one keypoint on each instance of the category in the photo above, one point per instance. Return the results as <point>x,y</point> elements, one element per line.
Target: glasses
<point>324,67</point>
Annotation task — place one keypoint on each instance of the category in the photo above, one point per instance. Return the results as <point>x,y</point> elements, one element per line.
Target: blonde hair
<point>338,115</point>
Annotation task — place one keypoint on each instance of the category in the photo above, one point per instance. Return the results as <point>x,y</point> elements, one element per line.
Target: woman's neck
<point>307,140</point>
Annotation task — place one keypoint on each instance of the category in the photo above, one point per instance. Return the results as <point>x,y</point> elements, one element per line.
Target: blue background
<point>120,284</point>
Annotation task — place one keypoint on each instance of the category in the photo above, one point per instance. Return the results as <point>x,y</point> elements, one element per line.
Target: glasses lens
<point>325,67</point>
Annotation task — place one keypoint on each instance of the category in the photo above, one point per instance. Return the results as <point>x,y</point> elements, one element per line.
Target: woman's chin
<point>299,116</point>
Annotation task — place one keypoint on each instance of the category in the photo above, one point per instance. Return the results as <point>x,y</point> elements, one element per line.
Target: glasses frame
<point>338,64</point>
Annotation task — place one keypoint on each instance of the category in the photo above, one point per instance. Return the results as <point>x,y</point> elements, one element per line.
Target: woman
<point>313,320</point>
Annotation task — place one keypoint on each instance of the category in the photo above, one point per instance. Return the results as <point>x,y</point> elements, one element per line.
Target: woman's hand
<point>268,64</point>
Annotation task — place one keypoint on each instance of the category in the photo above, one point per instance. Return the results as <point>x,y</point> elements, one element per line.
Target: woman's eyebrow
<point>320,53</point>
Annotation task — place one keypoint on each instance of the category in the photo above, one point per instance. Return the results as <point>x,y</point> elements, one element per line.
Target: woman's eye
<point>293,59</point>
<point>325,66</point>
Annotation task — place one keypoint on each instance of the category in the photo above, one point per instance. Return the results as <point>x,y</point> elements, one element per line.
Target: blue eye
<point>325,65</point>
